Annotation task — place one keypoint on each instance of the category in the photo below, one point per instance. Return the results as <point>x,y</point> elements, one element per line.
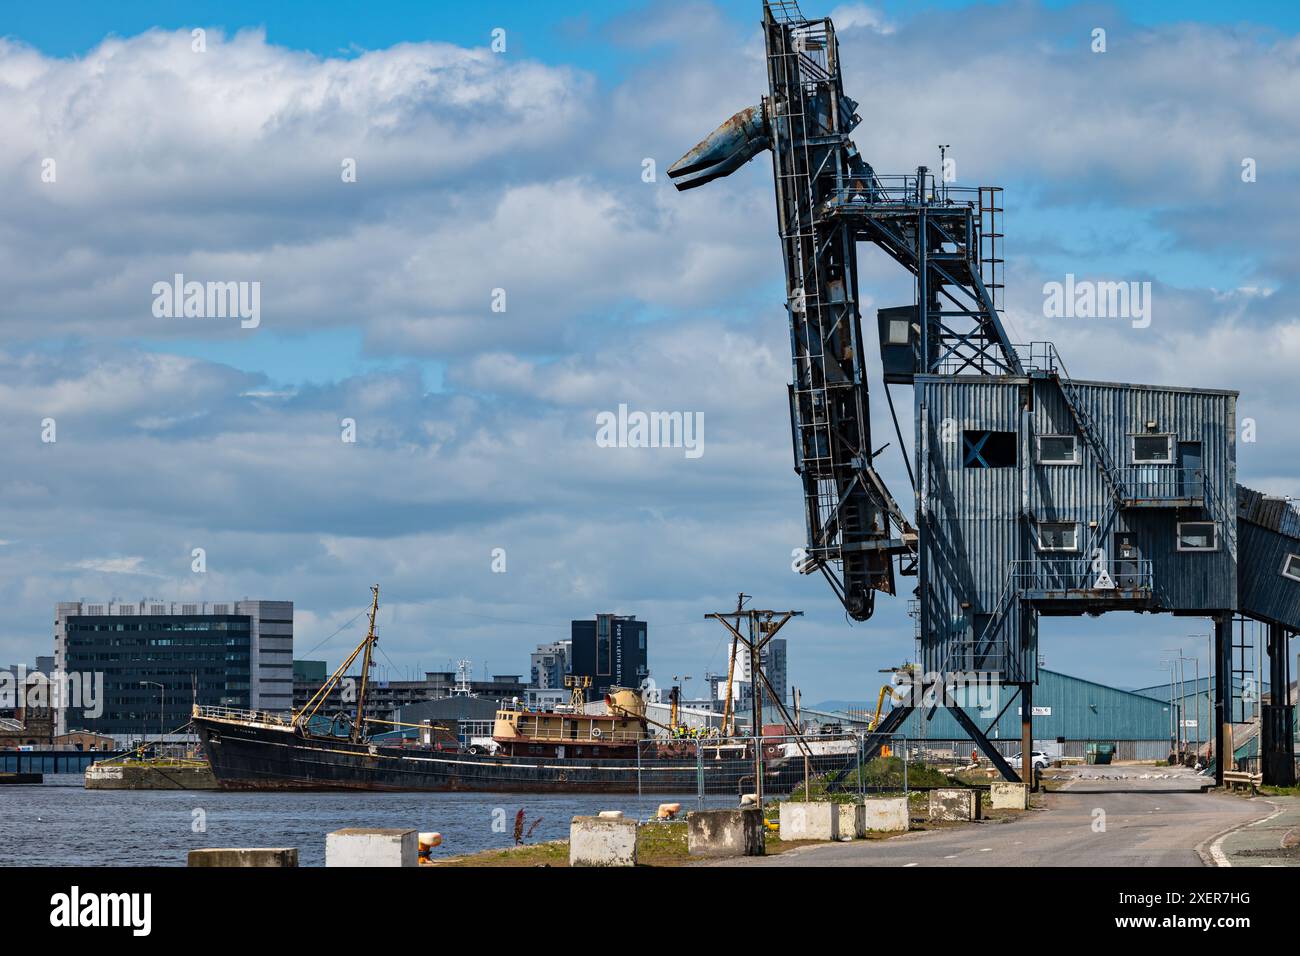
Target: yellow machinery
<point>577,685</point>
<point>885,691</point>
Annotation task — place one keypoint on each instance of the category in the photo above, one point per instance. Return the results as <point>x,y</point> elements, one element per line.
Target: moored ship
<point>533,751</point>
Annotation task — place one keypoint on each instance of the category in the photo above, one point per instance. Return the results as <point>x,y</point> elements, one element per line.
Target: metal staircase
<point>1046,362</point>
<point>983,652</point>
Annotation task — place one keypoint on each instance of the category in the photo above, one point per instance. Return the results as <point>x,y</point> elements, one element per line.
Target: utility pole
<point>1197,686</point>
<point>758,628</point>
<point>1173,709</point>
<point>1182,703</point>
<point>1175,680</point>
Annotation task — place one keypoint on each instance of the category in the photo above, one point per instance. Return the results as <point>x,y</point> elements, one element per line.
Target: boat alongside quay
<point>533,751</point>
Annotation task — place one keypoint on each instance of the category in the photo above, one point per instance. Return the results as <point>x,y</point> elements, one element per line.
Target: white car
<point>1037,759</point>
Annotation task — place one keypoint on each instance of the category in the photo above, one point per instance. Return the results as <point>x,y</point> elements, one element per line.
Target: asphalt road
<point>1117,818</point>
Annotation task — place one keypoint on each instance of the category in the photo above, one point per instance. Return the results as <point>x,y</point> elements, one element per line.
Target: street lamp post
<point>1199,725</point>
<point>1176,677</point>
<point>161,689</point>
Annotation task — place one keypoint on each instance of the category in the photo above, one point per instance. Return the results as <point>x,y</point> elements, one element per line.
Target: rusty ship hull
<point>262,756</point>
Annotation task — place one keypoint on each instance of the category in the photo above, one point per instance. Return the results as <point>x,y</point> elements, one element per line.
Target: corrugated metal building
<point>1194,699</point>
<point>1269,582</point>
<point>1081,711</point>
<point>1017,502</point>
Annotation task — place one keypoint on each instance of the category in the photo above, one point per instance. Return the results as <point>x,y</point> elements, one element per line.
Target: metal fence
<point>952,754</point>
<point>721,770</point>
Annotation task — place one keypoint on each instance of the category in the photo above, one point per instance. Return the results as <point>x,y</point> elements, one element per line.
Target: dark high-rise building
<point>611,650</point>
<point>156,658</point>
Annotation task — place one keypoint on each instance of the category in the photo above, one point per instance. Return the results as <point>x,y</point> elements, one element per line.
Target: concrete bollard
<point>812,820</point>
<point>954,804</point>
<point>853,821</point>
<point>366,846</point>
<point>724,833</point>
<point>243,857</point>
<point>1009,796</point>
<point>602,841</point>
<point>886,814</point>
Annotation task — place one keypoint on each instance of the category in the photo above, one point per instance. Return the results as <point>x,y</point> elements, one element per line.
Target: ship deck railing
<point>237,713</point>
<point>613,737</point>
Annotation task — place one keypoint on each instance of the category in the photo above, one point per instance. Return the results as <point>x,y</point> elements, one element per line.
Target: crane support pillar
<point>1222,696</point>
<point>1027,734</point>
<point>1277,719</point>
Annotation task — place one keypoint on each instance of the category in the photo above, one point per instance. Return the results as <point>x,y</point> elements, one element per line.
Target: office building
<point>611,650</point>
<point>157,658</point>
<point>550,662</point>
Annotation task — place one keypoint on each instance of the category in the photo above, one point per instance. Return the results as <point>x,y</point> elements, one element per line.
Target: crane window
<point>1291,567</point>
<point>988,449</point>
<point>1153,449</point>
<point>1057,450</point>
<point>1198,536</point>
<point>1058,536</point>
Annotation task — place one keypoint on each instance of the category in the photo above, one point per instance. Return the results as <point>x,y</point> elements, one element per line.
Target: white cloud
<point>477,172</point>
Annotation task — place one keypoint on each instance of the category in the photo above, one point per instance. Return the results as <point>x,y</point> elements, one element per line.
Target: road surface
<point>1105,816</point>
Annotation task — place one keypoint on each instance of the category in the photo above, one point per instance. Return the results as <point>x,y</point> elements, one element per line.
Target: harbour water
<point>60,823</point>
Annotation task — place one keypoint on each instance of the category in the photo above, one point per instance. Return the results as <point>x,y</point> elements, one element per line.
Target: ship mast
<point>302,718</point>
<point>368,644</point>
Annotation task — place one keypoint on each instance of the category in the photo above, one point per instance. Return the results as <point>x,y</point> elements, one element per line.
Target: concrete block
<point>101,776</point>
<point>1009,796</point>
<point>602,841</point>
<point>954,804</point>
<point>724,833</point>
<point>812,820</point>
<point>887,814</point>
<point>853,820</point>
<point>365,846</point>
<point>244,857</point>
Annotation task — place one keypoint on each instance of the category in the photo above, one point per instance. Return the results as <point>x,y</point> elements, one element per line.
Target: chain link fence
<point>719,771</point>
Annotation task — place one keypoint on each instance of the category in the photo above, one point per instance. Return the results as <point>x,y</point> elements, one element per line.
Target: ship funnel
<point>621,700</point>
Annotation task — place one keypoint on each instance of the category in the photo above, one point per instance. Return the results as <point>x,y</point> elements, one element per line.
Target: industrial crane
<point>828,199</point>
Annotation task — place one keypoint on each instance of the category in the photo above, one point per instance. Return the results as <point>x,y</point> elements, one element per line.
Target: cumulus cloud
<point>477,172</point>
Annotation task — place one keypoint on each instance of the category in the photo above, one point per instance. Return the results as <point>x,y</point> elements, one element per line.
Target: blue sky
<point>522,171</point>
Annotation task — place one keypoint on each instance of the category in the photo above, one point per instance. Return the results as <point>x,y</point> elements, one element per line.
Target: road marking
<point>1216,848</point>
<point>986,849</point>
<point>906,865</point>
<point>951,856</point>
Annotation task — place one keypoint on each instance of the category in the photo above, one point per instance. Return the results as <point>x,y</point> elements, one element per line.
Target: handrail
<point>238,713</point>
<point>1162,482</point>
<point>1077,574</point>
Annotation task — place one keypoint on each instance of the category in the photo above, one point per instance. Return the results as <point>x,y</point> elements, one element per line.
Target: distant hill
<point>841,705</point>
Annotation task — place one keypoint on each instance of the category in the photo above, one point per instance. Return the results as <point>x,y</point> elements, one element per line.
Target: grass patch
<point>657,844</point>
<point>882,776</point>
<point>661,844</point>
<point>1272,791</point>
<point>552,853</point>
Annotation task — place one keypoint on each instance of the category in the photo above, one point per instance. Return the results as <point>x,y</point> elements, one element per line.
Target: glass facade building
<point>152,661</point>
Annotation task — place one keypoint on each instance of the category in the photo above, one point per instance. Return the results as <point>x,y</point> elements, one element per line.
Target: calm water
<point>62,823</point>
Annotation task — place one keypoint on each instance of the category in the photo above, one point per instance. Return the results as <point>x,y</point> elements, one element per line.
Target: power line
<point>335,634</point>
